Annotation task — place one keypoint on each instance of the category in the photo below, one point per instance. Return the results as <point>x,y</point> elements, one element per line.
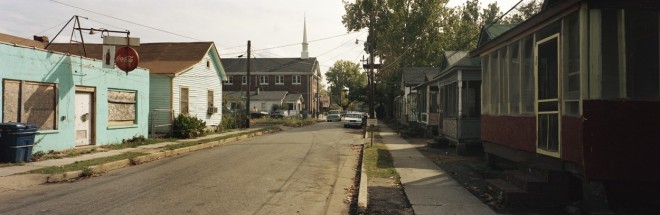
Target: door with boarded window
<point>84,118</point>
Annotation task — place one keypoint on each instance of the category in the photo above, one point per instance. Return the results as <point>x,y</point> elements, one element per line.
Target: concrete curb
<point>106,167</point>
<point>363,194</point>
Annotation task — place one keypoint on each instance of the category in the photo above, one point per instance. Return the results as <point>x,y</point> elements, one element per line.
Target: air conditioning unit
<point>211,110</point>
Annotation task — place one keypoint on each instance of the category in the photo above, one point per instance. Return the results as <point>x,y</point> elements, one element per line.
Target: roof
<point>262,96</point>
<point>159,58</point>
<point>21,41</point>
<point>492,32</point>
<point>412,76</point>
<point>551,8</point>
<point>293,98</point>
<point>461,59</point>
<point>271,65</point>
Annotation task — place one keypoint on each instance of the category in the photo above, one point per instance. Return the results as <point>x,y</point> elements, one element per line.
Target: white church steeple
<point>305,53</point>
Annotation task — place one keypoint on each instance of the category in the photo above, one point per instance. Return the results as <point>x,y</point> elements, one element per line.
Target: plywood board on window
<point>121,111</point>
<point>121,97</point>
<point>10,100</point>
<point>39,105</point>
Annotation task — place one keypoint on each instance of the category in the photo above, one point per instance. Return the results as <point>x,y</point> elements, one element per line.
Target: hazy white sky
<point>229,23</point>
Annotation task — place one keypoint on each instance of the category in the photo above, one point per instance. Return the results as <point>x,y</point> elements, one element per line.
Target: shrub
<point>186,126</point>
<point>233,120</point>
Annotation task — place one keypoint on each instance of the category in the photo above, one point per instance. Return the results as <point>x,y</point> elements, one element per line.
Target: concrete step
<point>508,195</point>
<point>525,181</point>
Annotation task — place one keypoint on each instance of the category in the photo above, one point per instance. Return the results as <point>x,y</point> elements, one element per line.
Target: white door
<point>84,118</point>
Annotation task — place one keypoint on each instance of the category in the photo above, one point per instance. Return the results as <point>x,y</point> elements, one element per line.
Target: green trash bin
<point>16,142</point>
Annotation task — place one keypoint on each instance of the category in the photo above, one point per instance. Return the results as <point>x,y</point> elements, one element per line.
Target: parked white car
<point>333,116</point>
<point>353,120</point>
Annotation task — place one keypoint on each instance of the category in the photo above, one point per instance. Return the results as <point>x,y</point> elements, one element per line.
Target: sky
<point>274,27</point>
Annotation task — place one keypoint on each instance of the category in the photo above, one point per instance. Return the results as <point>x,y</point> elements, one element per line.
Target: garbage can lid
<point>13,125</point>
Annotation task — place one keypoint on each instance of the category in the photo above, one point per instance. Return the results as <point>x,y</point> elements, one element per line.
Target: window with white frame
<point>627,41</point>
<point>514,78</point>
<point>279,79</point>
<point>184,101</point>
<point>263,79</point>
<point>244,80</point>
<point>495,83</point>
<point>230,80</point>
<point>504,85</point>
<point>485,88</point>
<point>296,79</point>
<point>527,76</point>
<point>450,100</point>
<point>571,65</point>
<point>471,95</point>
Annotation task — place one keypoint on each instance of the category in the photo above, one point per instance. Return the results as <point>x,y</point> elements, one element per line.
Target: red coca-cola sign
<point>126,58</point>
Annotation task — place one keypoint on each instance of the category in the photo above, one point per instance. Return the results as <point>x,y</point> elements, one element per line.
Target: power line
<point>295,44</point>
<point>131,22</point>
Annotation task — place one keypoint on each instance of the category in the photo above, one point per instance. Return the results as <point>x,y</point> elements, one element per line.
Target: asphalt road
<point>297,171</point>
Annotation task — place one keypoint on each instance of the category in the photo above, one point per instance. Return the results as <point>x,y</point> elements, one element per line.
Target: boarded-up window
<point>184,101</point>
<point>121,107</point>
<point>31,103</point>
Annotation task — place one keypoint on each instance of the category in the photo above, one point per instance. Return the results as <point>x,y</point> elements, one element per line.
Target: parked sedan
<point>353,120</point>
<point>278,114</point>
<point>333,116</point>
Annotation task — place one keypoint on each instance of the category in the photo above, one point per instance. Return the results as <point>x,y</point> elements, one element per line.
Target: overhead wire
<point>127,21</point>
<point>295,44</point>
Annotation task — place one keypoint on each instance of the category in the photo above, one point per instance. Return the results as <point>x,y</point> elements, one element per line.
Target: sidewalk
<point>429,189</point>
<point>11,170</point>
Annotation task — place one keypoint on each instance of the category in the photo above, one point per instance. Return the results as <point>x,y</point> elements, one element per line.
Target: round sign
<point>126,58</point>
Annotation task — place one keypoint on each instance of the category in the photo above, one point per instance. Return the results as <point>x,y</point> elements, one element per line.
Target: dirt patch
<point>386,196</point>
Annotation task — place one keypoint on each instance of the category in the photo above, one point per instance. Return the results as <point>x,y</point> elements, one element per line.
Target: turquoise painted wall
<point>30,64</point>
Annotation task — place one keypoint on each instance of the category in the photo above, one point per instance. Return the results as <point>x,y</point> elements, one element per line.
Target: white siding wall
<point>159,99</point>
<point>200,79</point>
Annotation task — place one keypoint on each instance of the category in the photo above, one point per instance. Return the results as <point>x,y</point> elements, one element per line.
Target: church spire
<point>305,53</point>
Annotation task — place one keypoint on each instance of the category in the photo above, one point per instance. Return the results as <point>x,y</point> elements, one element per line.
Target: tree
<point>346,74</point>
<point>405,33</point>
<point>524,11</point>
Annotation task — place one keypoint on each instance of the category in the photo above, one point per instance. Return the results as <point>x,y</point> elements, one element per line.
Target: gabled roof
<point>492,32</point>
<point>460,59</point>
<point>261,96</point>
<point>550,9</point>
<point>413,76</point>
<point>272,65</point>
<point>293,98</point>
<point>159,58</point>
<point>21,41</point>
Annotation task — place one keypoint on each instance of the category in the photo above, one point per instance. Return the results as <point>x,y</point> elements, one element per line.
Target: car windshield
<point>354,116</point>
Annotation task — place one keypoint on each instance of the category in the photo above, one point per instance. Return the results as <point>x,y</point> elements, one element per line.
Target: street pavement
<point>304,170</point>
<point>429,189</point>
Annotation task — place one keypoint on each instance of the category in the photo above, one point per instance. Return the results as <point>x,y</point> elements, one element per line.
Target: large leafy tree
<point>345,74</point>
<point>415,33</point>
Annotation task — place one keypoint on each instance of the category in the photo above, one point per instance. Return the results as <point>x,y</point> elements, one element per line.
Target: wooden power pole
<point>249,85</point>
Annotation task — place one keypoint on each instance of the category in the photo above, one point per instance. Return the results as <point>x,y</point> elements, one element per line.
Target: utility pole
<point>249,85</point>
<point>371,67</point>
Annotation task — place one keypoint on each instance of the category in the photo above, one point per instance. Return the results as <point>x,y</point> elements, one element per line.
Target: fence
<point>160,122</point>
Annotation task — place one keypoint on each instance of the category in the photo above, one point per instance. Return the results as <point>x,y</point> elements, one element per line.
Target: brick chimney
<point>43,39</point>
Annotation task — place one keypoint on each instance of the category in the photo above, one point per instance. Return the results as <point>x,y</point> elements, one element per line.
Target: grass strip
<point>81,165</point>
<point>378,162</point>
<point>188,144</point>
<point>135,144</point>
